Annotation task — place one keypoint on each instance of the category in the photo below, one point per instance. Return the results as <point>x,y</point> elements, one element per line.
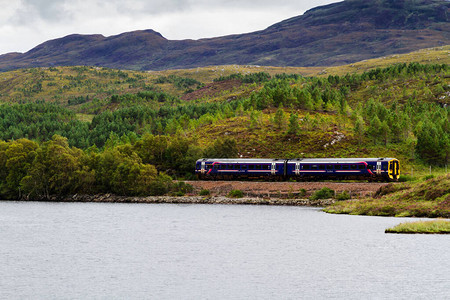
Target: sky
<point>25,24</point>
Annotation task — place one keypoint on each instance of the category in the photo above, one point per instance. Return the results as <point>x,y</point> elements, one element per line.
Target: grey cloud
<point>48,10</point>
<point>55,10</point>
<point>27,22</point>
<point>164,6</point>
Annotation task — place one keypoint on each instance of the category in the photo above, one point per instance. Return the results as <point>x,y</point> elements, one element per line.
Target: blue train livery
<point>387,169</point>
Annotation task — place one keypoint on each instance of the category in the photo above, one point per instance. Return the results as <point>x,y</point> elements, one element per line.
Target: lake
<point>164,251</point>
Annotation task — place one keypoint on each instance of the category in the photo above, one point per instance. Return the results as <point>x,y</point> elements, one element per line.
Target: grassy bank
<point>437,226</point>
<point>430,198</point>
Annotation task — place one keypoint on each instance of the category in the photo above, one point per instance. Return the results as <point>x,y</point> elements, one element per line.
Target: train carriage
<point>299,169</point>
<point>226,168</point>
<point>345,168</point>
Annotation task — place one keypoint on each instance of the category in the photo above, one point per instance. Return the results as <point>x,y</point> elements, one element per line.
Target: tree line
<point>32,170</point>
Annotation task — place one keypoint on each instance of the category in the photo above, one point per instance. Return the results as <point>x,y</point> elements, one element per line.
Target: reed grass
<point>435,226</point>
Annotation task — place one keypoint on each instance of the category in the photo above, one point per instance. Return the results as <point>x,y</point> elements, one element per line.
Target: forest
<point>136,142</point>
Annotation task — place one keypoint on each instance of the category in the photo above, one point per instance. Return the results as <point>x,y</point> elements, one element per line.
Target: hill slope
<point>335,34</point>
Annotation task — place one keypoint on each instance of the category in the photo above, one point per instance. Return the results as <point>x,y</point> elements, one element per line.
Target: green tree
<point>254,119</point>
<point>307,122</point>
<point>385,132</point>
<point>433,143</point>
<point>18,158</point>
<point>280,118</point>
<point>222,148</point>
<point>54,169</point>
<point>294,127</point>
<point>120,170</point>
<point>375,129</point>
<point>359,129</point>
<point>152,149</point>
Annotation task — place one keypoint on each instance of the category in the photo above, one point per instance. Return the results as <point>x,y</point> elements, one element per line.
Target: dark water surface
<point>158,251</point>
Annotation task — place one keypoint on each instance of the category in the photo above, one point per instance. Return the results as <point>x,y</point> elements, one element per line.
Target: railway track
<point>285,189</point>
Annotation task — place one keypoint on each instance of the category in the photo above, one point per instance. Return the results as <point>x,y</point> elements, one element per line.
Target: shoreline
<point>110,198</point>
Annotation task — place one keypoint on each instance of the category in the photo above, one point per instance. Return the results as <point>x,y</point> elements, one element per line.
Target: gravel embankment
<point>285,189</point>
<point>261,193</point>
<point>195,200</point>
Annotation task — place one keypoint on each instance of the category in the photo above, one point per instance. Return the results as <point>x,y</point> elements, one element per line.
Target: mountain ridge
<point>334,34</point>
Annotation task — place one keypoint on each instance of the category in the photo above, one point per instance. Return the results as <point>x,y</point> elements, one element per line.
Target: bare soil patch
<point>212,89</point>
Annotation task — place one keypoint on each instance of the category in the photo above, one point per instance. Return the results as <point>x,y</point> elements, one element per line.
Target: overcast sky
<point>26,23</point>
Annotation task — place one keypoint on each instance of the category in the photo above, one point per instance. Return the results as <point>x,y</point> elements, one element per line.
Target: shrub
<point>428,177</point>
<point>324,193</point>
<point>405,178</point>
<point>204,192</point>
<point>161,185</point>
<point>302,193</point>
<point>183,187</point>
<point>343,196</point>
<point>236,194</point>
<point>178,194</point>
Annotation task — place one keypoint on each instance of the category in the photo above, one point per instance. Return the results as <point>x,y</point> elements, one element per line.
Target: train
<point>300,169</point>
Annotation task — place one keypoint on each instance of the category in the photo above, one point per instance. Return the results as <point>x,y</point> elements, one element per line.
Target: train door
<point>273,169</point>
<point>203,170</point>
<point>378,167</point>
<point>297,168</point>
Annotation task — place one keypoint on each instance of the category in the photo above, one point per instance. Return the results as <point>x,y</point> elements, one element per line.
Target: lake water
<point>159,251</point>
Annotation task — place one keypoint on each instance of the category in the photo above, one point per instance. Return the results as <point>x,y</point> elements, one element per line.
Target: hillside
<point>72,86</point>
<point>335,34</point>
<point>86,130</point>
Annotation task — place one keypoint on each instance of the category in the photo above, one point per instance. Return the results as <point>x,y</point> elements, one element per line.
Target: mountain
<point>335,34</point>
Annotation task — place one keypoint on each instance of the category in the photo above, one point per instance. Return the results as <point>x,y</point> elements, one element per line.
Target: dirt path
<point>285,189</point>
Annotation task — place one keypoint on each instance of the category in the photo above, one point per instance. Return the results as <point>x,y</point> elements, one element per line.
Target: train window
<point>267,167</point>
<point>329,167</point>
<point>337,167</point>
<point>345,167</point>
<point>209,166</point>
<point>361,167</point>
<point>258,167</point>
<point>314,167</point>
<point>306,167</point>
<point>229,167</point>
<point>251,167</point>
<point>216,167</point>
<point>384,166</point>
<point>244,167</point>
<point>353,167</point>
<point>321,167</point>
<point>369,167</point>
<point>237,167</point>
